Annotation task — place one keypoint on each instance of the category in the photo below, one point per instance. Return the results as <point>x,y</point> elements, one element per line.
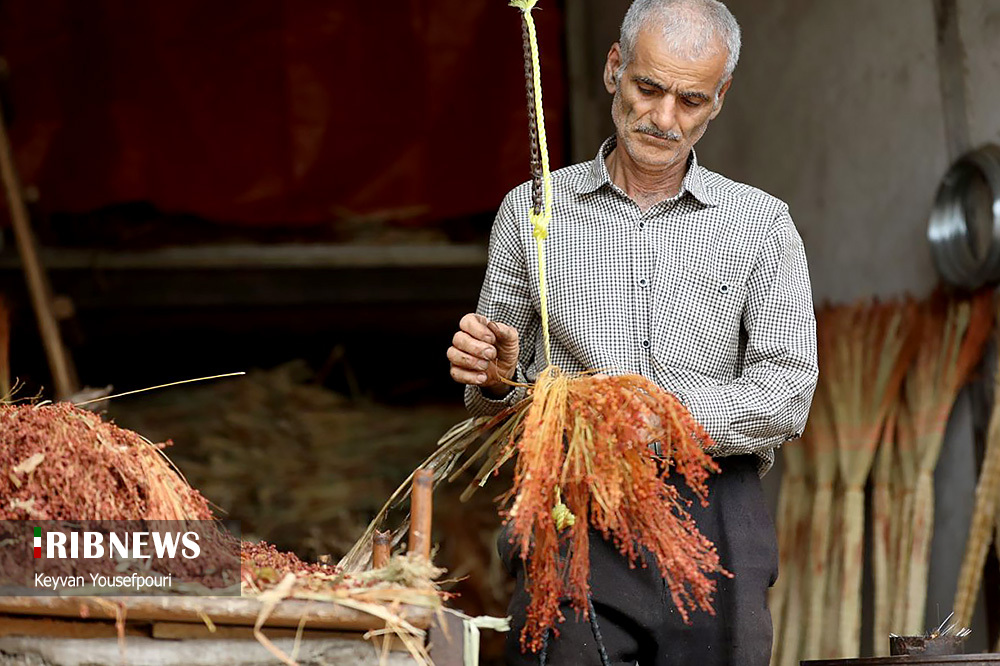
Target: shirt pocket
<point>700,324</point>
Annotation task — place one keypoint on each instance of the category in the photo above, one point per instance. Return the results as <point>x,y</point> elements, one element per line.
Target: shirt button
<point>724,288</point>
<point>645,344</point>
<point>642,225</point>
<point>643,282</point>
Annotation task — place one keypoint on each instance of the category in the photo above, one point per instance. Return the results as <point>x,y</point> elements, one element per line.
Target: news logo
<point>119,557</point>
<point>92,545</point>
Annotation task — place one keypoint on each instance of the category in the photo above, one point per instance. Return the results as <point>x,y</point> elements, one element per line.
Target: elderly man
<point>660,267</point>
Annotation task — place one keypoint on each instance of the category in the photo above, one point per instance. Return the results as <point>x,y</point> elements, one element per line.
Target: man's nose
<point>665,113</point>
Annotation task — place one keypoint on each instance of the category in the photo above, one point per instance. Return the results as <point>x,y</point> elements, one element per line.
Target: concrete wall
<point>837,109</point>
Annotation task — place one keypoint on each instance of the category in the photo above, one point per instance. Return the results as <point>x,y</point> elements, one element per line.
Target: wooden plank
<point>191,631</point>
<point>60,363</point>
<point>143,651</point>
<point>273,256</point>
<point>55,628</point>
<point>963,659</point>
<point>221,610</point>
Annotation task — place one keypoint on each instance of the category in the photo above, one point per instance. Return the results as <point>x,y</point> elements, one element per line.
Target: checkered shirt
<point>706,293</point>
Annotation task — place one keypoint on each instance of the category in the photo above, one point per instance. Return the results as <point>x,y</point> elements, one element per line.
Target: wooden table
<point>965,659</point>
<point>172,631</point>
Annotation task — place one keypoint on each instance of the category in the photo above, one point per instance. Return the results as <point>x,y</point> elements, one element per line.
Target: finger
<point>476,326</point>
<point>465,361</point>
<point>504,333</point>
<point>470,345</point>
<point>467,376</point>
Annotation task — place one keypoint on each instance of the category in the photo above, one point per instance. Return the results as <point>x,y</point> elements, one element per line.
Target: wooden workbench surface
<point>240,611</point>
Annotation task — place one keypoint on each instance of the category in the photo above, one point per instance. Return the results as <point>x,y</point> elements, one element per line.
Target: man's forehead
<point>663,62</point>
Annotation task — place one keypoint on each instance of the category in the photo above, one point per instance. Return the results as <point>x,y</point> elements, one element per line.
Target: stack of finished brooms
<point>889,375</point>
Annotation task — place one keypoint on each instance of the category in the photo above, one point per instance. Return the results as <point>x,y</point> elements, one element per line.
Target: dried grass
<point>984,519</point>
<point>83,468</point>
<point>955,332</point>
<point>584,441</point>
<point>297,464</point>
<point>821,454</point>
<point>865,351</point>
<point>793,582</point>
<point>784,597</point>
<point>274,576</point>
<point>884,536</point>
<point>582,463</point>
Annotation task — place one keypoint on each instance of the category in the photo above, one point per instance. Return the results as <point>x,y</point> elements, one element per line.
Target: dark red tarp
<point>275,112</point>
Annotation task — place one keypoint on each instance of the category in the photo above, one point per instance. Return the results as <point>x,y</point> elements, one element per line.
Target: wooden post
<point>380,549</point>
<point>63,373</point>
<point>421,511</point>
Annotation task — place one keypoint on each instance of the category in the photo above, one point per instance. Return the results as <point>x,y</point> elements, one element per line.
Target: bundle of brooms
<point>868,349</point>
<point>583,465</point>
<point>890,373</point>
<point>954,335</point>
<point>985,519</point>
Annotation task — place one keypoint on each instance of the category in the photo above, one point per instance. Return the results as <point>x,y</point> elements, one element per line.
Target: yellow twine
<point>539,221</point>
<point>561,514</point>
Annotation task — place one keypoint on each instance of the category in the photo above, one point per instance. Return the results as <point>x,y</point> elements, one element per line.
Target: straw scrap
<point>273,576</point>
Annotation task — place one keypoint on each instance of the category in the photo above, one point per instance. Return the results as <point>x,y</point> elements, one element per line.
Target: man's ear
<point>614,61</point>
<point>721,97</point>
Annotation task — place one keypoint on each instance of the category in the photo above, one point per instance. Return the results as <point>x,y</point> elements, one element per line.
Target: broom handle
<point>380,548</point>
<point>420,513</point>
<point>38,284</point>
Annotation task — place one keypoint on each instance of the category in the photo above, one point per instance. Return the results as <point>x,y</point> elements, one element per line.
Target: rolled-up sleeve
<point>769,402</point>
<point>506,298</point>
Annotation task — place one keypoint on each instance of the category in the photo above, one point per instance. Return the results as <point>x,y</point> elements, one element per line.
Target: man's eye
<point>648,92</point>
<point>693,102</point>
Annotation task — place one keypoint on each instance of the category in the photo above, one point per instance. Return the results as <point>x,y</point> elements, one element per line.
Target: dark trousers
<point>636,617</point>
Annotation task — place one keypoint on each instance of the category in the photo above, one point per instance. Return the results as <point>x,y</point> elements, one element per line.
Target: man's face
<point>663,103</point>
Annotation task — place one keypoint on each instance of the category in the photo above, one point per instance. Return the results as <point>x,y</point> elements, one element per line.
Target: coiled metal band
<point>961,258</point>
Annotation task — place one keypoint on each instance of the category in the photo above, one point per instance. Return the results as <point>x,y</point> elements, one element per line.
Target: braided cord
<point>539,218</point>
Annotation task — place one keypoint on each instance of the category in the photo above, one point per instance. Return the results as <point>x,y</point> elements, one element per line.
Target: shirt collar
<point>598,175</point>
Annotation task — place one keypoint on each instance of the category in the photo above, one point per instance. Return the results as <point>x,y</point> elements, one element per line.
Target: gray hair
<point>691,27</point>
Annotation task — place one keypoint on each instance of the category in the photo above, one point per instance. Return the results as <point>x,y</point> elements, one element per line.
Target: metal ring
<point>959,259</point>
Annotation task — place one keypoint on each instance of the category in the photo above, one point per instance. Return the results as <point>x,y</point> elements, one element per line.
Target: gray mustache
<point>658,133</point>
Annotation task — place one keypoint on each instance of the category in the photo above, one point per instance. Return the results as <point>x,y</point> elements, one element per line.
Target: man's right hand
<point>483,353</point>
